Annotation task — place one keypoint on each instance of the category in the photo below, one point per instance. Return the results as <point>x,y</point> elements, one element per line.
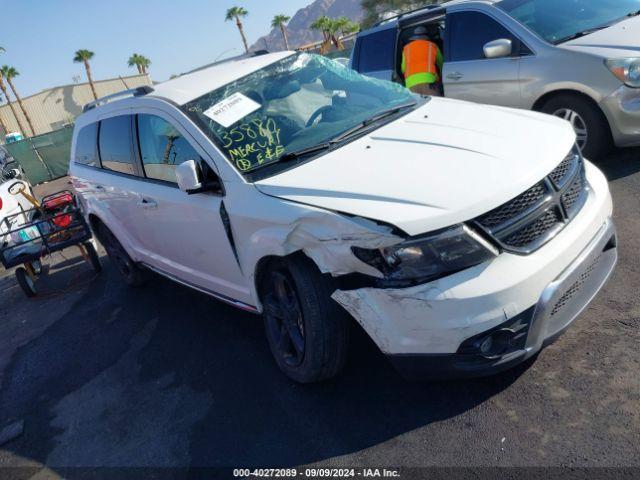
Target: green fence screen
<point>45,157</point>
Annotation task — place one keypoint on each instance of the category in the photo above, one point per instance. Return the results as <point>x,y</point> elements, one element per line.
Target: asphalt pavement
<point>96,375</point>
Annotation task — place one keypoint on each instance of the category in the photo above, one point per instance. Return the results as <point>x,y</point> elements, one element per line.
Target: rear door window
<point>469,32</point>
<point>87,146</point>
<point>377,51</point>
<point>115,145</point>
<point>162,148</point>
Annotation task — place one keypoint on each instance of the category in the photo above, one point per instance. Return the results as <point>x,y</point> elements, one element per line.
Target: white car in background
<point>10,203</point>
<point>291,186</point>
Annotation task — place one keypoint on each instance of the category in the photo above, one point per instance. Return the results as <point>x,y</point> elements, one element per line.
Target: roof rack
<point>408,12</point>
<point>133,92</point>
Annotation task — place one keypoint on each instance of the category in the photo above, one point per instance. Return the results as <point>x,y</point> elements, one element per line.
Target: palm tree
<point>2,125</point>
<point>236,13</point>
<point>140,62</point>
<point>323,24</point>
<point>83,56</point>
<point>135,60</point>
<point>3,87</point>
<point>352,27</point>
<point>279,21</point>
<point>10,73</point>
<point>144,63</point>
<point>341,24</point>
<point>333,27</point>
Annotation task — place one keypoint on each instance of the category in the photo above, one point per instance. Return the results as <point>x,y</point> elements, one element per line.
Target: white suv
<point>462,238</point>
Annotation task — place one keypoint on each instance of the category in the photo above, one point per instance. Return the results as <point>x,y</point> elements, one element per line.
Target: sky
<point>41,36</point>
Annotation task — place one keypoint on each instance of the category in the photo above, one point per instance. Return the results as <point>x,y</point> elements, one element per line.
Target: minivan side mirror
<point>498,48</point>
<point>190,179</point>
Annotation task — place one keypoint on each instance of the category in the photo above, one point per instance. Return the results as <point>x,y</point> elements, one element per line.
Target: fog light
<point>496,344</point>
<point>486,345</point>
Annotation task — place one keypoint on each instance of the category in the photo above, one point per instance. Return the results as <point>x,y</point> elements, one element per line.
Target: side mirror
<point>188,177</point>
<point>192,180</point>
<point>14,173</point>
<point>498,48</point>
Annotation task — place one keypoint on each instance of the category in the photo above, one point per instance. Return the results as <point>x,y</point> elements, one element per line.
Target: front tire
<point>588,121</point>
<point>307,331</point>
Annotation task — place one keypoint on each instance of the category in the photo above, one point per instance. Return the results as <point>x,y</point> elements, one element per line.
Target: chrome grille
<point>529,234</point>
<point>572,194</point>
<point>530,220</point>
<point>518,205</point>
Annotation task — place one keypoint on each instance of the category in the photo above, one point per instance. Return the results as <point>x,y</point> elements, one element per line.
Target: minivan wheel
<point>133,275</point>
<point>307,331</point>
<point>592,129</point>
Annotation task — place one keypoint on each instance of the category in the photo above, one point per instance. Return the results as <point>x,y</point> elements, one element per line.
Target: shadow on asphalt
<point>219,359</point>
<point>621,163</point>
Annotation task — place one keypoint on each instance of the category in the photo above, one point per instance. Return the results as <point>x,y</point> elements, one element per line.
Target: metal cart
<point>52,225</point>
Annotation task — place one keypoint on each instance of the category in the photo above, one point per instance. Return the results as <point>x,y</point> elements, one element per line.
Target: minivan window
<point>377,51</point>
<point>87,146</point>
<point>469,32</point>
<point>557,21</point>
<point>162,148</point>
<point>115,144</point>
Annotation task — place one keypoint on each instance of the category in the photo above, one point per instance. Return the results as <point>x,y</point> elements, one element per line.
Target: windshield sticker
<point>231,109</point>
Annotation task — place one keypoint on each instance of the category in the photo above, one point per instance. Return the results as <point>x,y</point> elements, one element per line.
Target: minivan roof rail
<point>408,12</point>
<point>132,92</point>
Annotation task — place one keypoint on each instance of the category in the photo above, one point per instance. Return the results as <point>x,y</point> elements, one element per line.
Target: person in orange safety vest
<point>422,64</point>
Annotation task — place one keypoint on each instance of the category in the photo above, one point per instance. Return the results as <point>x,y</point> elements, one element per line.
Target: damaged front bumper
<point>526,334</point>
<point>440,329</point>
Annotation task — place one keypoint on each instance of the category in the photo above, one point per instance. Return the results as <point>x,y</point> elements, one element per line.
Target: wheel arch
<point>268,262</point>
<point>543,99</point>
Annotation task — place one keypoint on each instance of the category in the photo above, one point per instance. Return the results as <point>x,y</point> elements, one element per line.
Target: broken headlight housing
<point>430,257</point>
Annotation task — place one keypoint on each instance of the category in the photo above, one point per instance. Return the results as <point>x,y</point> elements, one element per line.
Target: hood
<point>619,40</point>
<point>446,162</point>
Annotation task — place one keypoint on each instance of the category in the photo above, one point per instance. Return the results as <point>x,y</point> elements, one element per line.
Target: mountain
<point>298,29</point>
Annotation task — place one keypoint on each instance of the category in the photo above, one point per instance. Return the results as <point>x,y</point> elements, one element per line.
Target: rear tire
<point>590,124</point>
<point>93,257</point>
<point>26,282</point>
<point>307,331</point>
<point>133,275</point>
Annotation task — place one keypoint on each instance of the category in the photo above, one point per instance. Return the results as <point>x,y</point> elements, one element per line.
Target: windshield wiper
<point>371,120</point>
<point>303,152</point>
<point>581,34</point>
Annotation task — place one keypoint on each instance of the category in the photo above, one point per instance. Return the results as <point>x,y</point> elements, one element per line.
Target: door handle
<point>455,76</point>
<point>147,203</point>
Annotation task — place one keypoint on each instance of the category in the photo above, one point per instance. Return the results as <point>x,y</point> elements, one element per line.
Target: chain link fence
<point>45,157</point>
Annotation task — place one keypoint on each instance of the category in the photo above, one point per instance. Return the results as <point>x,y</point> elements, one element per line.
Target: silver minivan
<point>577,59</point>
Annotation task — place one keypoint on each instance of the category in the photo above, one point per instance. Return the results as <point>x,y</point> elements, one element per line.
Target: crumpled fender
<point>325,237</point>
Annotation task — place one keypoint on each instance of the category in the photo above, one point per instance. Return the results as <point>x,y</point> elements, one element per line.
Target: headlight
<point>430,257</point>
<point>627,70</point>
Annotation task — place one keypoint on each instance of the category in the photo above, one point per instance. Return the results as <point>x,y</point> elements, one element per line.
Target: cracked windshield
<point>293,107</point>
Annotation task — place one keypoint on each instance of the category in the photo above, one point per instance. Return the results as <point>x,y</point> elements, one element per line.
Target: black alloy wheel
<point>284,319</point>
